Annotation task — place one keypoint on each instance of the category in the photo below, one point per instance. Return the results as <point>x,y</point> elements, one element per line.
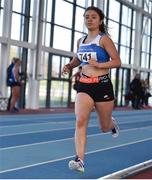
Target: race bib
<point>85,56</point>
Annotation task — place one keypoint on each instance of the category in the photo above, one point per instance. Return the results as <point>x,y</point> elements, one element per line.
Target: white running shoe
<point>76,165</point>
<point>115,130</point>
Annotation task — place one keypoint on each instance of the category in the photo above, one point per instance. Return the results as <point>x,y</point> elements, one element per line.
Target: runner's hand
<point>93,62</point>
<point>65,70</point>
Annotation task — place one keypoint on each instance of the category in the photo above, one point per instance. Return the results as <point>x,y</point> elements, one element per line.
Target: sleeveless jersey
<point>10,75</point>
<point>92,50</point>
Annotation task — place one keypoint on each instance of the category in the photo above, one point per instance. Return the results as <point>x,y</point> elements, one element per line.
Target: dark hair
<point>15,59</point>
<point>102,27</point>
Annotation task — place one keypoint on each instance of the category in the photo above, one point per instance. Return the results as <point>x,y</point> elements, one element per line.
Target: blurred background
<point>44,33</point>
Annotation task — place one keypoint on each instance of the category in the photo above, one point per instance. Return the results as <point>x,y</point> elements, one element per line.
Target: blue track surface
<point>40,146</point>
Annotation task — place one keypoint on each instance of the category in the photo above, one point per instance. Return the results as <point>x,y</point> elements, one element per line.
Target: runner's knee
<point>81,122</point>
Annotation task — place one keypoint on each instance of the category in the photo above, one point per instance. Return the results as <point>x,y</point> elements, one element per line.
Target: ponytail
<point>103,28</point>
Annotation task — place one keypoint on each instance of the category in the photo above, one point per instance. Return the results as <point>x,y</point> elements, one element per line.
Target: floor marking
<point>56,129</point>
<point>89,152</point>
<point>65,139</point>
<point>128,171</point>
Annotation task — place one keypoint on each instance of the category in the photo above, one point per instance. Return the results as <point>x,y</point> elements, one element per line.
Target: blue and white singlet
<point>92,50</point>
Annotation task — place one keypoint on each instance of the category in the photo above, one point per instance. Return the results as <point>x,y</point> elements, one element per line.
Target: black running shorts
<point>99,92</point>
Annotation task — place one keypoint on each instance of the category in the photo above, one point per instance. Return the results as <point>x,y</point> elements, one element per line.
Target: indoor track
<point>39,146</point>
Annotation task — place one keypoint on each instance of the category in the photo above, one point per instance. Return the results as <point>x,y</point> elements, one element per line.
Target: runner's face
<point>92,20</point>
<point>18,63</point>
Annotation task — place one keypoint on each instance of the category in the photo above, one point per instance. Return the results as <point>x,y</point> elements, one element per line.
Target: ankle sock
<point>113,130</point>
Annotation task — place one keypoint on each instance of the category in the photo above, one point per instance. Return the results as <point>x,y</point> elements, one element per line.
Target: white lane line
<point>56,129</point>
<point>72,119</point>
<point>49,119</point>
<point>66,139</point>
<point>128,171</point>
<point>53,121</point>
<point>39,123</point>
<point>60,159</point>
<point>118,114</point>
<point>35,126</point>
<point>40,131</point>
<point>38,117</point>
